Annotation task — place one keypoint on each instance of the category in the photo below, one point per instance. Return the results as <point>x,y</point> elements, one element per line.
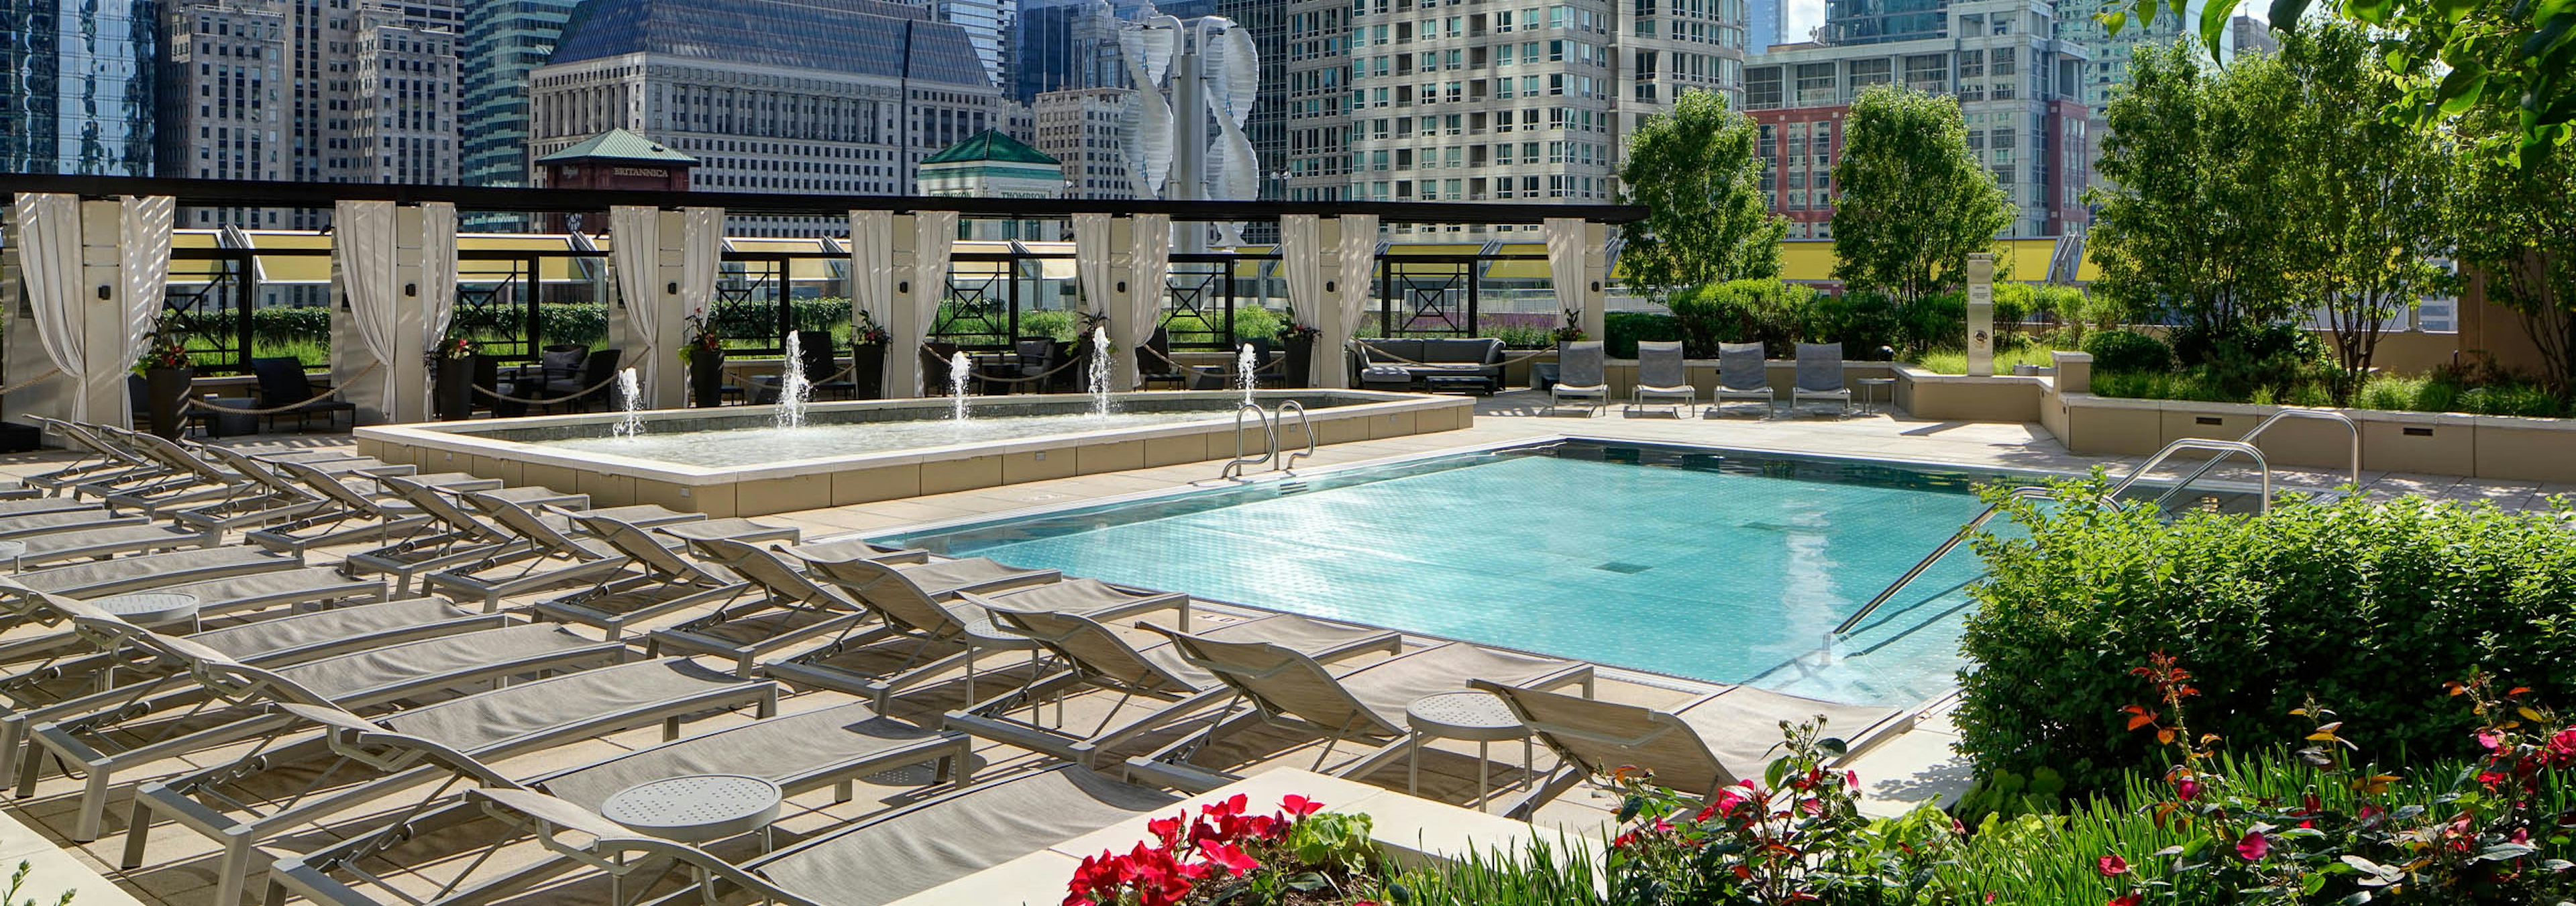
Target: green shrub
<point>2368,605</point>
<point>1936,321</point>
<point>1625,329</point>
<point>1766,311</point>
<point>2130,351</point>
<point>1058,325</point>
<point>1252,321</point>
<point>1521,336</point>
<point>282,326</point>
<point>1864,322</point>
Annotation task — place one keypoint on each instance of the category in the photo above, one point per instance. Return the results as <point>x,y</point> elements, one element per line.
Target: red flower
<point>2253,847</point>
<point>2187,788</point>
<point>2112,865</point>
<point>1299,806</point>
<point>1167,830</point>
<point>2130,900</point>
<point>1227,855</point>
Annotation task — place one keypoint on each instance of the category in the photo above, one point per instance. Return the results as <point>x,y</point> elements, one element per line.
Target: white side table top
<point>151,608</point>
<point>1468,716</point>
<point>696,808</point>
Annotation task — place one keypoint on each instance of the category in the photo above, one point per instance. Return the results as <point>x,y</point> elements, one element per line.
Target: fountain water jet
<point>630,397</point>
<point>1243,376</point>
<point>1100,366</point>
<point>794,388</point>
<point>960,370</point>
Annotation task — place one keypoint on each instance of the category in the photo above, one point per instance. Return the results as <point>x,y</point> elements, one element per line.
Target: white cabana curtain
<point>1301,264</point>
<point>437,271</point>
<point>362,244</point>
<point>702,257</point>
<point>1358,265</point>
<point>143,241</point>
<point>934,238</point>
<point>1091,255</point>
<point>1565,267</point>
<point>49,253</point>
<point>635,248</point>
<point>1150,245</point>
<point>872,286</point>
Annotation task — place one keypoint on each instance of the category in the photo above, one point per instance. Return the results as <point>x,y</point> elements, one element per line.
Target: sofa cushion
<point>1459,352</point>
<point>1395,351</point>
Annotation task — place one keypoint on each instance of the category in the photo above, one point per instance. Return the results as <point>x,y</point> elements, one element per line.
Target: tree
<point>2188,223</point>
<point>1915,201</point>
<point>2512,60</point>
<point>2517,230</point>
<point>2364,214</point>
<point>1707,220</point>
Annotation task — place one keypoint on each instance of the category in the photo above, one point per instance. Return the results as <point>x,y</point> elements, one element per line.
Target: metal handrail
<point>2266,424</point>
<point>1279,415</point>
<point>2110,499</point>
<point>2198,443</point>
<point>1269,432</point>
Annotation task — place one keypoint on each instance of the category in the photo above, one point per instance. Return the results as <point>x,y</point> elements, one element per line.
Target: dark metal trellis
<point>1429,294</point>
<point>216,314</point>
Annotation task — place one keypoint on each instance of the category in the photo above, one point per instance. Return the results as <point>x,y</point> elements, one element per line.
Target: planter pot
<point>166,392</point>
<point>454,395</point>
<point>867,371</point>
<point>1300,371</point>
<point>706,378</point>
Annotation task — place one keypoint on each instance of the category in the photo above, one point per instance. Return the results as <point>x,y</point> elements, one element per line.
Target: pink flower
<point>2187,788</point>
<point>2112,865</point>
<point>2253,847</point>
<point>2488,740</point>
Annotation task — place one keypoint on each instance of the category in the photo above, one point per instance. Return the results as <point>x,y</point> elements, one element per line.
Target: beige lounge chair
<point>1707,743</point>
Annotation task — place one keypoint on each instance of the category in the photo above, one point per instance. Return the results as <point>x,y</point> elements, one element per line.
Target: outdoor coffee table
<point>1883,387</point>
<point>697,808</point>
<point>1466,383</point>
<point>1478,717</point>
<point>152,608</point>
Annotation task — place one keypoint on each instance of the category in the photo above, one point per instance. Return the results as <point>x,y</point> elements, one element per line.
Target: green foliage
<point>2366,210</point>
<point>1915,201</point>
<point>2365,603</point>
<point>282,325</point>
<point>1538,875</point>
<point>1955,361</point>
<point>2190,224</point>
<point>1516,336</point>
<point>1769,312</point>
<point>2514,224</point>
<point>2008,794</point>
<point>2126,350</point>
<point>1060,326</point>
<point>1254,321</point>
<point>1624,329</point>
<point>1707,220</point>
<point>18,882</point>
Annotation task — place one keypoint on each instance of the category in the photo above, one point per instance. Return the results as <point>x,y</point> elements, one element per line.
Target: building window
<point>1815,83</point>
<point>1762,88</point>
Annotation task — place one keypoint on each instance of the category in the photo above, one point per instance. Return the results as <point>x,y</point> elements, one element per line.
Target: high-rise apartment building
<point>2108,68</point>
<point>2019,87</point>
<point>1765,24</point>
<point>504,40</point>
<point>1063,45</point>
<point>852,105</point>
<point>1091,131</point>
<point>77,87</point>
<point>1879,21</point>
<point>986,23</point>
<point>224,116</point>
<point>405,130</point>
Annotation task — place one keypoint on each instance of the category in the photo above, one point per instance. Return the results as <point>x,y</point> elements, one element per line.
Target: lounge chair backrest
<point>330,486</point>
<point>890,592</point>
<point>1740,366</point>
<point>1092,647</point>
<point>258,472</point>
<point>641,546</point>
<point>1602,737</point>
<point>227,678</point>
<point>1582,365</point>
<point>766,570</point>
<point>170,454</point>
<point>1280,681</point>
<point>1660,364</point>
<point>526,523</point>
<point>79,435</point>
<point>1820,366</point>
<point>431,501</point>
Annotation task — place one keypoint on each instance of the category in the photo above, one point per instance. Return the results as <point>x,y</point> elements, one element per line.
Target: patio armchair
<point>282,382</point>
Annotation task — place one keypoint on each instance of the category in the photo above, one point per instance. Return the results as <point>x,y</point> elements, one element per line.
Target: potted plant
<point>452,378</point>
<point>704,353</point>
<point>867,357</point>
<point>166,379</point>
<point>1298,343</point>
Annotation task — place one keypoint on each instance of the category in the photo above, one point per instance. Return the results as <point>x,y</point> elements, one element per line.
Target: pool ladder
<point>2243,445</point>
<point>1269,421</point>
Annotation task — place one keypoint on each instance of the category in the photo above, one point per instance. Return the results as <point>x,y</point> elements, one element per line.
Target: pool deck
<point>1913,767</point>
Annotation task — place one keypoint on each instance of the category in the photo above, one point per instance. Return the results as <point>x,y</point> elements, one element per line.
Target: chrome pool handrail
<point>1269,433</point>
<point>2265,425</point>
<point>1279,416</point>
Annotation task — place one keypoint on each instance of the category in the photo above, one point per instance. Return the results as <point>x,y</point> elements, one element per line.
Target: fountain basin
<point>736,462</point>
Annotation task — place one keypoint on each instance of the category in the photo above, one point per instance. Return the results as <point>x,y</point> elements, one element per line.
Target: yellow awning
<point>1807,259</point>
<point>293,268</point>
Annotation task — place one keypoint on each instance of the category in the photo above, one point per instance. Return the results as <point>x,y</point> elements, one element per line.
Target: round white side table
<point>1477,717</point>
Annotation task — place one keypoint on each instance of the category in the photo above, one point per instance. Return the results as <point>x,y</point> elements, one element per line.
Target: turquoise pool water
<point>1705,564</point>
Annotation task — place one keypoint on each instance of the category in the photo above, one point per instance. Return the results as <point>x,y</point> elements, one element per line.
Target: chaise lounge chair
<point>1743,374</point>
<point>1582,374</point>
<point>1707,743</point>
<point>548,556</point>
<point>1662,376</point>
<point>791,610</point>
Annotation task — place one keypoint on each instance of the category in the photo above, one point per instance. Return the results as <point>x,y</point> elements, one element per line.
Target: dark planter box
<point>706,378</point>
<point>867,371</point>
<point>454,396</point>
<point>166,392</point>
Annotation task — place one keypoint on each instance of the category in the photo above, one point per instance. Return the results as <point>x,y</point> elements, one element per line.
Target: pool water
<point>1703,564</point>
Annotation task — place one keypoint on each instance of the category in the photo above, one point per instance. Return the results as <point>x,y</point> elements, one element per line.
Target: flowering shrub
<point>702,336</point>
<point>1796,836</point>
<point>868,332</point>
<point>2345,837</point>
<point>1298,854</point>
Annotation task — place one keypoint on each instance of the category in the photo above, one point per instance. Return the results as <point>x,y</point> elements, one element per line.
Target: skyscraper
<point>1088,130</point>
<point>2108,69</point>
<point>1878,21</point>
<point>504,40</point>
<point>985,23</point>
<point>1065,45</point>
<point>76,87</point>
<point>1765,24</point>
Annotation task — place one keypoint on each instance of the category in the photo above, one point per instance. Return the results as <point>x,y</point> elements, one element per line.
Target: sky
<point>1800,17</point>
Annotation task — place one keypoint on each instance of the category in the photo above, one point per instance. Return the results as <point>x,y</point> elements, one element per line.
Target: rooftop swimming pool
<point>1707,564</point>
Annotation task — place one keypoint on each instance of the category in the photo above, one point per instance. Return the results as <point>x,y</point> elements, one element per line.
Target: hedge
<point>2368,606</point>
